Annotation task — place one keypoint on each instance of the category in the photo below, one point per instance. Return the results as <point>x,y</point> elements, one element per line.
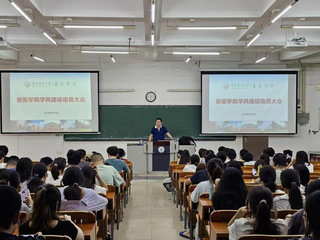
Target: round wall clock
<point>151,96</point>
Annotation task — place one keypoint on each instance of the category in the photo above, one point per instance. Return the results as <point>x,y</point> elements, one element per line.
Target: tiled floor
<point>150,214</point>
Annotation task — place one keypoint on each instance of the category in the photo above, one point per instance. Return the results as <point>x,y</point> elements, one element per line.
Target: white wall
<point>158,77</point>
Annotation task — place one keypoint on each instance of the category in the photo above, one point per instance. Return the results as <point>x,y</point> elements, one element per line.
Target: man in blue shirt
<point>112,160</point>
<point>158,131</point>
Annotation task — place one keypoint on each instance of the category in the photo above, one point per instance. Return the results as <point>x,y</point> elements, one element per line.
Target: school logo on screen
<point>27,84</point>
<point>226,86</point>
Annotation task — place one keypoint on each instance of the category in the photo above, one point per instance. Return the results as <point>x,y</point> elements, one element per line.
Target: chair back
<point>81,216</point>
<point>283,213</point>
<point>222,215</point>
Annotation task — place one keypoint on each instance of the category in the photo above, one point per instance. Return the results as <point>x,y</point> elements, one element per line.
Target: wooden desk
<point>251,181</point>
<point>218,230</point>
<point>204,210</point>
<point>88,229</point>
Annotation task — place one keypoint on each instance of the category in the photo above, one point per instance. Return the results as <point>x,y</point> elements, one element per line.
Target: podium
<point>159,154</point>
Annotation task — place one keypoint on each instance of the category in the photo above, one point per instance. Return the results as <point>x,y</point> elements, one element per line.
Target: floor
<point>150,213</point>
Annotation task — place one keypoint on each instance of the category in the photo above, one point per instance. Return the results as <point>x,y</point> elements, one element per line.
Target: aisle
<point>150,214</point>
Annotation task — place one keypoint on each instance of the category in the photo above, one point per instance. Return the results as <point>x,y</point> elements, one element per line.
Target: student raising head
<point>292,199</point>
<point>45,217</point>
<point>231,192</point>
<point>255,217</point>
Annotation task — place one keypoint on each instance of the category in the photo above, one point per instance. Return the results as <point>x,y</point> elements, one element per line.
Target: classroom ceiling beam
<point>265,19</point>
<point>147,19</point>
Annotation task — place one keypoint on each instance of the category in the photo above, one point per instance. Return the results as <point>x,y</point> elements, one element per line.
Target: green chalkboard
<point>135,122</point>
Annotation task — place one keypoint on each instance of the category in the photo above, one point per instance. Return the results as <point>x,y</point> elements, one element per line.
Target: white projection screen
<point>249,102</point>
<point>49,102</point>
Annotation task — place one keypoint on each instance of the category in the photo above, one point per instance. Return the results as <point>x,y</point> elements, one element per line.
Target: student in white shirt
<point>292,199</point>
<point>248,159</point>
<point>202,155</point>
<point>57,170</point>
<point>2,163</point>
<point>268,177</point>
<point>255,217</point>
<point>304,176</point>
<point>191,166</point>
<point>90,175</point>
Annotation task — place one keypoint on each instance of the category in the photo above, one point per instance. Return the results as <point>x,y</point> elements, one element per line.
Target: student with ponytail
<point>39,176</point>
<point>73,194</point>
<point>292,199</point>
<point>255,217</point>
<point>57,170</point>
<point>268,178</point>
<point>45,217</point>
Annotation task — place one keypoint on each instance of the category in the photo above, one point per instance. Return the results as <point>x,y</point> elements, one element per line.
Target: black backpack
<point>186,141</point>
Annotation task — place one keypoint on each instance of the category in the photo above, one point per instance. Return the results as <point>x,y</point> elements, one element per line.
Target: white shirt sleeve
<point>233,231</point>
<point>93,200</point>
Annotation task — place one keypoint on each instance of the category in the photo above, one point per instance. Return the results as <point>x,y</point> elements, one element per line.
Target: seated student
<point>214,171</point>
<point>90,175</point>
<point>83,160</point>
<point>270,152</point>
<point>121,155</point>
<point>191,166</point>
<point>179,156</point>
<point>268,177</point>
<point>256,169</point>
<point>57,170</point>
<point>202,155</point>
<point>231,191</point>
<point>12,178</point>
<point>12,162</point>
<point>2,163</point>
<point>222,156</point>
<point>237,165</point>
<point>108,173</point>
<point>302,158</point>
<point>304,176</point>
<point>10,204</point>
<point>222,149</point>
<point>200,175</point>
<point>242,153</point>
<point>296,222</point>
<point>91,199</point>
<point>39,176</point>
<point>45,217</point>
<point>231,155</point>
<point>73,195</point>
<point>47,161</point>
<point>74,158</point>
<point>292,199</point>
<point>255,217</point>
<point>265,157</point>
<point>248,159</point>
<point>279,163</point>
<point>4,149</point>
<point>112,160</point>
<point>24,168</point>
<point>210,152</point>
<point>185,157</point>
<point>288,154</point>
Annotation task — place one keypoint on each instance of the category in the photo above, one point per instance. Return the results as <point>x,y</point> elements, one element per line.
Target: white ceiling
<point>254,13</point>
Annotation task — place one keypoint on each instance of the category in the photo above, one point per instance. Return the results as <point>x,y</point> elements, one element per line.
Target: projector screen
<point>249,102</point>
<point>49,102</point>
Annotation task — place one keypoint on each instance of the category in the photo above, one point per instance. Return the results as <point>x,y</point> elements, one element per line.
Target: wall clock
<point>151,97</point>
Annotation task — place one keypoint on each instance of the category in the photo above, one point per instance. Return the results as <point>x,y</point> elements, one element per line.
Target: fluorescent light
<point>93,27</point>
<point>206,28</point>
<point>37,58</point>
<point>3,26</point>
<point>153,11</point>
<point>50,38</point>
<point>112,58</point>
<point>306,27</point>
<point>281,13</point>
<point>22,12</point>
<point>261,59</point>
<point>106,52</point>
<point>255,38</point>
<point>195,53</point>
<point>152,38</point>
<point>188,59</point>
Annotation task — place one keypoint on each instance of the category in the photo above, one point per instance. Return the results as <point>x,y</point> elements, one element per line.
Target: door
<point>255,145</point>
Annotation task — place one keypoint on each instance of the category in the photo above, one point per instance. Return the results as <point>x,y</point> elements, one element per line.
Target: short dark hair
<point>312,187</point>
<point>243,152</point>
<point>247,157</point>
<point>82,153</point>
<point>265,157</point>
<point>280,160</point>
<point>24,168</point>
<point>231,153</point>
<point>221,148</point>
<point>237,165</point>
<point>11,178</point>
<point>202,152</point>
<point>194,159</point>
<point>270,151</point>
<point>159,119</point>
<point>10,204</point>
<point>74,157</point>
<point>122,153</point>
<point>13,160</point>
<point>46,160</point>
<point>222,156</point>
<point>209,157</point>
<point>113,151</point>
<point>312,210</point>
<point>72,175</point>
<point>4,149</point>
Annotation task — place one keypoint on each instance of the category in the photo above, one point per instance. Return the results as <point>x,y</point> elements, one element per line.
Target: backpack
<point>186,141</point>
